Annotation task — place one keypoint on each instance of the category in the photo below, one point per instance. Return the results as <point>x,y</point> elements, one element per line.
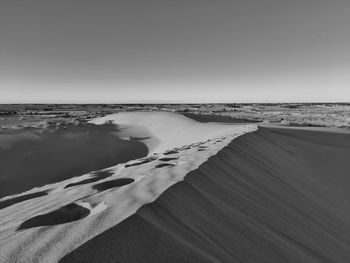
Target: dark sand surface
<point>35,157</point>
<point>94,178</point>
<point>112,184</point>
<point>65,214</point>
<point>275,195</point>
<point>21,198</point>
<point>215,118</point>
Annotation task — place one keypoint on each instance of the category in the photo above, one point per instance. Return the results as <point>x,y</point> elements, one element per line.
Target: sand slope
<point>275,195</point>
<point>162,131</point>
<point>46,223</point>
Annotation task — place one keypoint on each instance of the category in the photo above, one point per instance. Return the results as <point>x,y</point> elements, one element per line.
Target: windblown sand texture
<point>47,223</point>
<point>274,195</point>
<point>201,195</point>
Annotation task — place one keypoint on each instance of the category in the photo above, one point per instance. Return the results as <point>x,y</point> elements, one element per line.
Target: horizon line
<point>175,102</point>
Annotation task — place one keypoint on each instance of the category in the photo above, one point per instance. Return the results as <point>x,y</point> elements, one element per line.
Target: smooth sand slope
<point>162,131</point>
<point>46,223</point>
<point>275,195</point>
<point>216,118</point>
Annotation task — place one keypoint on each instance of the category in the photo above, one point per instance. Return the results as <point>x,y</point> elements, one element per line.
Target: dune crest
<point>102,199</point>
<point>162,131</point>
<point>272,196</point>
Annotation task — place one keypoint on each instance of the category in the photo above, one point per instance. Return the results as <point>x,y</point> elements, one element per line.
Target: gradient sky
<point>174,51</point>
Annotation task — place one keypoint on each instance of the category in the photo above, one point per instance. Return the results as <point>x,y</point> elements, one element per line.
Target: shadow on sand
<point>65,214</point>
<point>112,184</point>
<point>15,200</point>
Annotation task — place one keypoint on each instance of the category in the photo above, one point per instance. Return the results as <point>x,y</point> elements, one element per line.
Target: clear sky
<point>174,51</point>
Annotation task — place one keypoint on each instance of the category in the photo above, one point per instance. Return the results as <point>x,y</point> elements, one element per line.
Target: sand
<point>162,131</point>
<point>216,118</point>
<point>206,192</point>
<point>45,228</point>
<point>35,157</point>
<point>275,195</point>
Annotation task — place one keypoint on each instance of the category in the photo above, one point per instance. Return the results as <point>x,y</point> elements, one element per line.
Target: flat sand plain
<point>33,157</point>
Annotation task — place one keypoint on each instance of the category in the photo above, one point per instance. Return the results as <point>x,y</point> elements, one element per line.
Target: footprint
<point>132,138</point>
<point>18,199</point>
<point>102,174</point>
<point>170,152</point>
<point>112,184</point>
<point>66,214</point>
<point>147,160</point>
<point>164,165</point>
<point>168,159</point>
<point>97,176</point>
<point>185,147</point>
<point>94,209</point>
<point>201,148</point>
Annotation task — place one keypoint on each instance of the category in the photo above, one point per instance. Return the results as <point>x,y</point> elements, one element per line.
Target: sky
<point>83,51</point>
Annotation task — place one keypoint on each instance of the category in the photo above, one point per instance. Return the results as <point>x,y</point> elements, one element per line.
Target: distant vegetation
<point>314,114</point>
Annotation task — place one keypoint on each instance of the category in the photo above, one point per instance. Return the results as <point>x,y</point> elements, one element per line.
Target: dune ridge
<point>274,195</point>
<point>120,192</point>
<point>162,131</point>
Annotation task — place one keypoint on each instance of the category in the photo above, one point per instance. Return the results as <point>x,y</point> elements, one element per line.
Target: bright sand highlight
<point>47,227</point>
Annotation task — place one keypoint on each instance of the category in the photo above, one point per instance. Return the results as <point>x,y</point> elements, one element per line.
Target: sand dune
<point>47,227</point>
<point>216,118</point>
<point>203,194</point>
<point>162,131</point>
<point>275,195</point>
